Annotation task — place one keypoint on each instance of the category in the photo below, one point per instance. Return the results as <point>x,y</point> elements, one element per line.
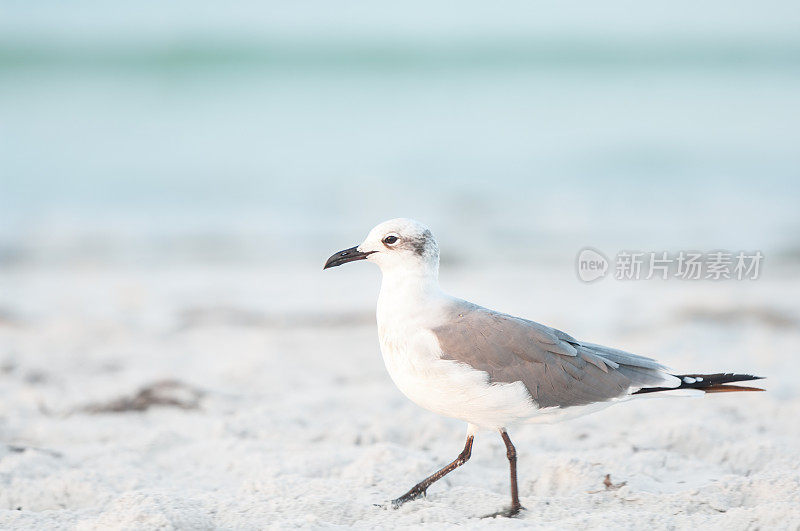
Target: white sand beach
<point>284,416</point>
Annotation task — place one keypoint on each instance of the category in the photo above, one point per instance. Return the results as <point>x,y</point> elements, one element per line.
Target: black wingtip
<point>709,383</point>
<point>716,379</point>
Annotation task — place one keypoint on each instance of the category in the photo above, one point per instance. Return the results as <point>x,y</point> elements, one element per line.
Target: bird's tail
<point>708,383</point>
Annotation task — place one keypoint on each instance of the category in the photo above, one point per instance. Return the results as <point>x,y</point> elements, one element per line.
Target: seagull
<point>489,369</point>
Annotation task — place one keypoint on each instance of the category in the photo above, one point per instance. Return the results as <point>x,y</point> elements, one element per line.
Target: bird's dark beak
<point>348,255</point>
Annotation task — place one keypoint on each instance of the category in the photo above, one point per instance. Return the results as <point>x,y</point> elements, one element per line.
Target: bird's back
<point>557,370</point>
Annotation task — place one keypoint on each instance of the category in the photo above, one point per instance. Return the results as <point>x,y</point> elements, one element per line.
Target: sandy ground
<point>283,415</point>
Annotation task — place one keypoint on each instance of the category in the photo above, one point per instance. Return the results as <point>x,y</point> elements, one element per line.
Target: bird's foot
<point>411,495</point>
<point>510,512</point>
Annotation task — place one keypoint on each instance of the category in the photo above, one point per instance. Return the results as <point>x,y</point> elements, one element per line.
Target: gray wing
<point>557,370</point>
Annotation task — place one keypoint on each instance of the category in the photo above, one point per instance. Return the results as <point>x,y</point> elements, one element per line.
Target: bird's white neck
<point>406,294</point>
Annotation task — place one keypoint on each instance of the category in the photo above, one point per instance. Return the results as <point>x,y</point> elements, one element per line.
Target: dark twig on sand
<point>166,393</point>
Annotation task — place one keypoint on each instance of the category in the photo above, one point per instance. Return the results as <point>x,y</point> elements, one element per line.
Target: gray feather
<point>556,369</point>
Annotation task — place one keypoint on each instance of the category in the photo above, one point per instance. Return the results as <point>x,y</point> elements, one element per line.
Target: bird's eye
<point>389,240</point>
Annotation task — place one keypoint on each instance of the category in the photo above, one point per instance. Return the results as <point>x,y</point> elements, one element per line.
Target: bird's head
<point>399,244</point>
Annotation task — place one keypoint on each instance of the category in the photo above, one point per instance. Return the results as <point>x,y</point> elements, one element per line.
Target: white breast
<point>413,360</point>
<point>408,309</point>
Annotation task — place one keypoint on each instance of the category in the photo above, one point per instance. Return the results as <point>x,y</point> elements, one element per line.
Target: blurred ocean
<point>149,132</point>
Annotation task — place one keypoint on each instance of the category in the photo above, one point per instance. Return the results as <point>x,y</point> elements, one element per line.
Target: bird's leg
<point>418,490</point>
<point>511,454</point>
